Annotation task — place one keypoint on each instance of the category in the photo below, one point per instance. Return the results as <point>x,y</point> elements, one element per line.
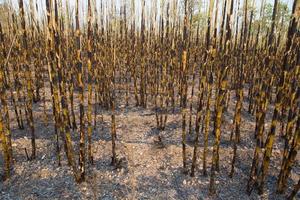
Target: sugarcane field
<point>150,99</point>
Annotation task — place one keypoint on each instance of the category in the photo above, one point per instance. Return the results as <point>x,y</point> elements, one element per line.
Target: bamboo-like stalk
<point>4,86</point>
<point>5,129</point>
<point>184,85</point>
<point>217,128</point>
<point>198,121</point>
<point>81,95</point>
<point>28,80</point>
<point>5,149</point>
<point>52,76</point>
<point>207,122</point>
<point>90,79</point>
<point>113,117</point>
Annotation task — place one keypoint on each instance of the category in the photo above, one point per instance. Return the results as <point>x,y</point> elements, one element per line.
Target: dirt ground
<point>148,170</point>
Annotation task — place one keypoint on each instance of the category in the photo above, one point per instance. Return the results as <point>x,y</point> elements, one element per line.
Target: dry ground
<point>149,170</point>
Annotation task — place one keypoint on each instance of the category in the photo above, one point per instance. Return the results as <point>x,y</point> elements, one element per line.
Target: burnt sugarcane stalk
<point>217,127</point>
<point>184,86</point>
<point>80,80</point>
<point>90,78</point>
<point>4,129</point>
<point>198,121</point>
<point>26,59</point>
